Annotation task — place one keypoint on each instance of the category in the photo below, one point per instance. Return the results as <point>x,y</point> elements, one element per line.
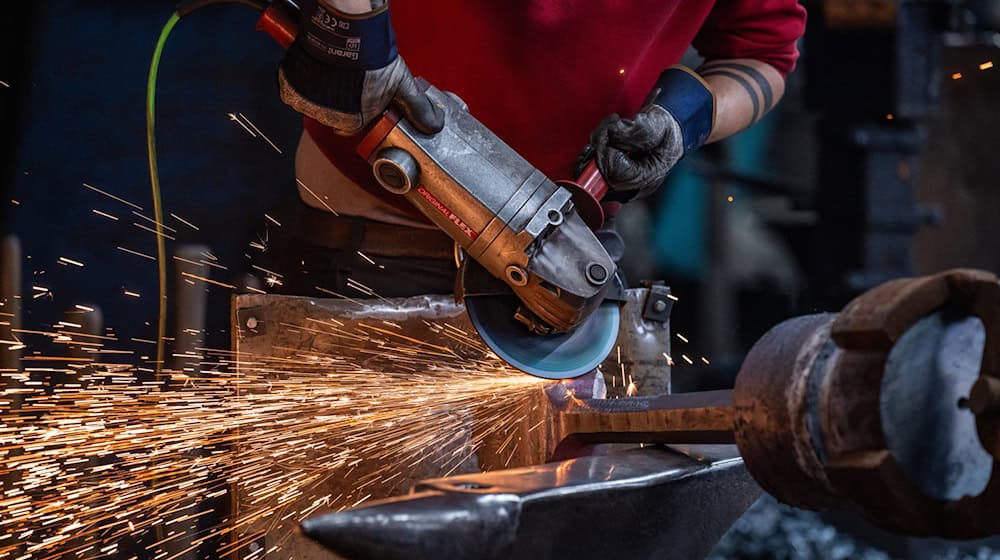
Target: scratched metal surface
<point>281,329</point>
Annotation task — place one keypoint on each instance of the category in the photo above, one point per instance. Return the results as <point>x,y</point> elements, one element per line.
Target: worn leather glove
<point>635,155</point>
<point>343,70</point>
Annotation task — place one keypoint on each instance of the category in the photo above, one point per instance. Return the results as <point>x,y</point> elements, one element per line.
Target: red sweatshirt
<point>542,73</point>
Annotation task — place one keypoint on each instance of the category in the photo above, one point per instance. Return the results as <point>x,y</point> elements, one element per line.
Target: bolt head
<point>597,274</point>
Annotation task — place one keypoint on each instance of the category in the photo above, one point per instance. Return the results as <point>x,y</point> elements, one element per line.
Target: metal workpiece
<point>654,502</point>
<point>509,217</point>
<point>704,417</point>
<point>870,410</point>
<point>268,328</point>
<point>264,323</point>
<point>643,344</point>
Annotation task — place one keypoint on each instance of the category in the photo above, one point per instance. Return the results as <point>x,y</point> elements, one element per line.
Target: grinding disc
<point>554,356</point>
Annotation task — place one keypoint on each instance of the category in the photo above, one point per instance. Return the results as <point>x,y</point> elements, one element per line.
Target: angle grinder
<point>539,287</point>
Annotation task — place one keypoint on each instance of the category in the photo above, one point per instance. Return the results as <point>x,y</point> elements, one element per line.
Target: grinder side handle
<point>588,190</point>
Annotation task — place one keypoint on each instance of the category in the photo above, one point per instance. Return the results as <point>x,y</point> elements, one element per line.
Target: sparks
<point>154,222</point>
<point>236,119</point>
<point>185,222</point>
<point>986,65</point>
<point>136,253</point>
<point>208,280</point>
<point>154,232</point>
<point>113,197</point>
<point>278,444</point>
<point>104,214</point>
<point>262,135</point>
<point>316,196</point>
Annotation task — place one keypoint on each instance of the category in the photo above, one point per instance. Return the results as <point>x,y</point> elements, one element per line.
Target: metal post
<point>10,312</point>
<point>190,300</point>
<point>91,321</point>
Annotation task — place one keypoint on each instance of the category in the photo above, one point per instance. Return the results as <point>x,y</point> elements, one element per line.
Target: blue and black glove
<point>344,70</point>
<point>635,155</point>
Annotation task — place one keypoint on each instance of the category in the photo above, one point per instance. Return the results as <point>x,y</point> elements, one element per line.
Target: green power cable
<point>154,180</point>
<point>183,9</point>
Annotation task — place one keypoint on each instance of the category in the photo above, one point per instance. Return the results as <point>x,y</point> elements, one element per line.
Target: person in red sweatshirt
<point>552,78</point>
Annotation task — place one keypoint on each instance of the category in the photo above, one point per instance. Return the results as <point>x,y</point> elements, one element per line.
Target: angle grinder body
<point>553,312</point>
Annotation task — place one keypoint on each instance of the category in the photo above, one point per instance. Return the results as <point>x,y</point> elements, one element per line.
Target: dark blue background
<point>80,116</point>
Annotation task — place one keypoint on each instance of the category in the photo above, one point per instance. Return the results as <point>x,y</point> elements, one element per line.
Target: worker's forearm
<point>745,90</point>
<point>354,6</point>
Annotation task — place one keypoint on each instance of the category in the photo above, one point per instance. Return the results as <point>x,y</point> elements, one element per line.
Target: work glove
<point>635,155</point>
<point>344,71</point>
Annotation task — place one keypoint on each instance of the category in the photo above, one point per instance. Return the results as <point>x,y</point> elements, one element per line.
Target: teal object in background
<point>679,224</point>
<point>748,149</point>
<point>680,221</point>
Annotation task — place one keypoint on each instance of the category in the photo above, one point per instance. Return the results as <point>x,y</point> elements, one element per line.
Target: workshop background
<point>879,163</point>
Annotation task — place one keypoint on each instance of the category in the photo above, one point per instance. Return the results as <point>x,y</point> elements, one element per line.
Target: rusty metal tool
<point>887,409</point>
<point>884,409</point>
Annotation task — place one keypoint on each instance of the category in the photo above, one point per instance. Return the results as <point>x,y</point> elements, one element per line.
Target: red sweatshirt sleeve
<point>765,30</point>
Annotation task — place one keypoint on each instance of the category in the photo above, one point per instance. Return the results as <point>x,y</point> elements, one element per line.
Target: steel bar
<point>704,417</point>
